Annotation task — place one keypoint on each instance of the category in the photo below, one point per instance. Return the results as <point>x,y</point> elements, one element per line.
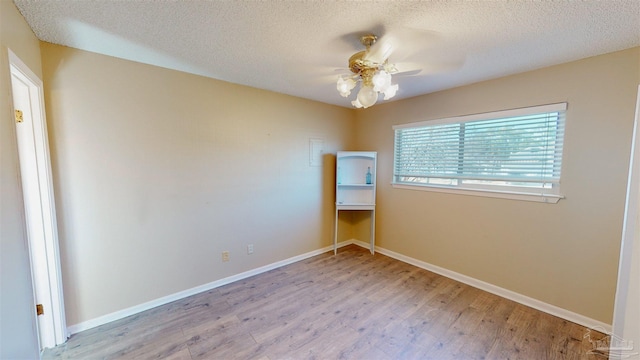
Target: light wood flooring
<point>349,306</point>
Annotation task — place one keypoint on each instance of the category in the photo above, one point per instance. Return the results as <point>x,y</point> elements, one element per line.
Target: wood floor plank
<point>353,305</point>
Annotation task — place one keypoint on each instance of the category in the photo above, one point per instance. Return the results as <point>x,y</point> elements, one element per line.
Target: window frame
<point>539,194</point>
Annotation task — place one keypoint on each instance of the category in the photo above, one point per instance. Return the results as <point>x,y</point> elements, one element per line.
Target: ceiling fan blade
<point>406,69</point>
<point>382,49</point>
<point>410,41</point>
<point>438,64</point>
<point>408,73</point>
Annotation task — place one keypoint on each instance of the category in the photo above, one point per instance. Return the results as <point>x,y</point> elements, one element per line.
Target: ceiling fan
<point>373,70</point>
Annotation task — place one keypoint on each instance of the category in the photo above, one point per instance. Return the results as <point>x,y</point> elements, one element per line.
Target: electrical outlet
<point>249,249</point>
<point>225,256</point>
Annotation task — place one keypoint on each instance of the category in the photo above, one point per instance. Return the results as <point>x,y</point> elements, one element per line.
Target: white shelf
<point>355,207</point>
<point>356,185</point>
<point>353,190</point>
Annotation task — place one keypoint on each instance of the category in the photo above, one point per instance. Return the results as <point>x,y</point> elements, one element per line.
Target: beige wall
<point>158,171</point>
<point>18,338</point>
<point>564,254</point>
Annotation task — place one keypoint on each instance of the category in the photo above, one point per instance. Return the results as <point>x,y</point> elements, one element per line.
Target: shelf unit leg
<point>373,232</point>
<point>335,234</point>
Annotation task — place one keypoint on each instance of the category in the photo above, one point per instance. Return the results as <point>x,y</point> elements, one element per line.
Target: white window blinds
<point>514,148</point>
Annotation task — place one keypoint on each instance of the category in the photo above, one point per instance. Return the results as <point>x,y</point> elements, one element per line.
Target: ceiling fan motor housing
<point>357,63</point>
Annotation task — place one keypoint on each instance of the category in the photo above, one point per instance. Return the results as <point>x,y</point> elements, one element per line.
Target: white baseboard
<point>85,325</point>
<point>508,294</point>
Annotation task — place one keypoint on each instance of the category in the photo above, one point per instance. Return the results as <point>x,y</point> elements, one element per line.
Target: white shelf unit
<point>355,190</point>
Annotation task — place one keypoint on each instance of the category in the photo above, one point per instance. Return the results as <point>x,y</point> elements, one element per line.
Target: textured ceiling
<point>299,47</point>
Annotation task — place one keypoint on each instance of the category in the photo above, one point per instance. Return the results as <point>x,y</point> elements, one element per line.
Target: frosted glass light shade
<point>367,96</point>
<point>344,86</point>
<point>381,81</point>
<point>390,91</point>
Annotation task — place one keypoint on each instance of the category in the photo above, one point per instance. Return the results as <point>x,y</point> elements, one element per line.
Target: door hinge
<point>19,117</point>
<point>39,309</point>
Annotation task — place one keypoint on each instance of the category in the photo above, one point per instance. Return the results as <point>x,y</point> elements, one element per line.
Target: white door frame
<point>40,214</point>
<point>626,316</point>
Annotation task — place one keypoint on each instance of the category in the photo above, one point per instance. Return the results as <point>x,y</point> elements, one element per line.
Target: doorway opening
<point>37,190</point>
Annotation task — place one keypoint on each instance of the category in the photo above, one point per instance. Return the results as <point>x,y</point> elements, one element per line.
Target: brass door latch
<point>39,309</point>
<point>19,118</point>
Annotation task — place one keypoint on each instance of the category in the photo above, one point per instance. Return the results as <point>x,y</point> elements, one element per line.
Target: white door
<point>37,188</point>
<point>626,313</point>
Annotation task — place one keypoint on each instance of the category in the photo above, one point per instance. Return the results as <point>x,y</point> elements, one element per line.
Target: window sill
<point>543,198</point>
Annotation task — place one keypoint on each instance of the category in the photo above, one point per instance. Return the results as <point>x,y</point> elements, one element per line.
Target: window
<point>513,153</point>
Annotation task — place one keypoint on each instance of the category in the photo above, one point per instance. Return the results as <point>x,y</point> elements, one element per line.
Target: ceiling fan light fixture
<point>367,96</point>
<point>381,81</point>
<point>345,86</point>
<point>370,87</point>
<point>390,91</point>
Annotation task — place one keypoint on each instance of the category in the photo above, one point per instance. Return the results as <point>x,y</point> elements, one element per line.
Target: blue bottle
<point>368,175</point>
